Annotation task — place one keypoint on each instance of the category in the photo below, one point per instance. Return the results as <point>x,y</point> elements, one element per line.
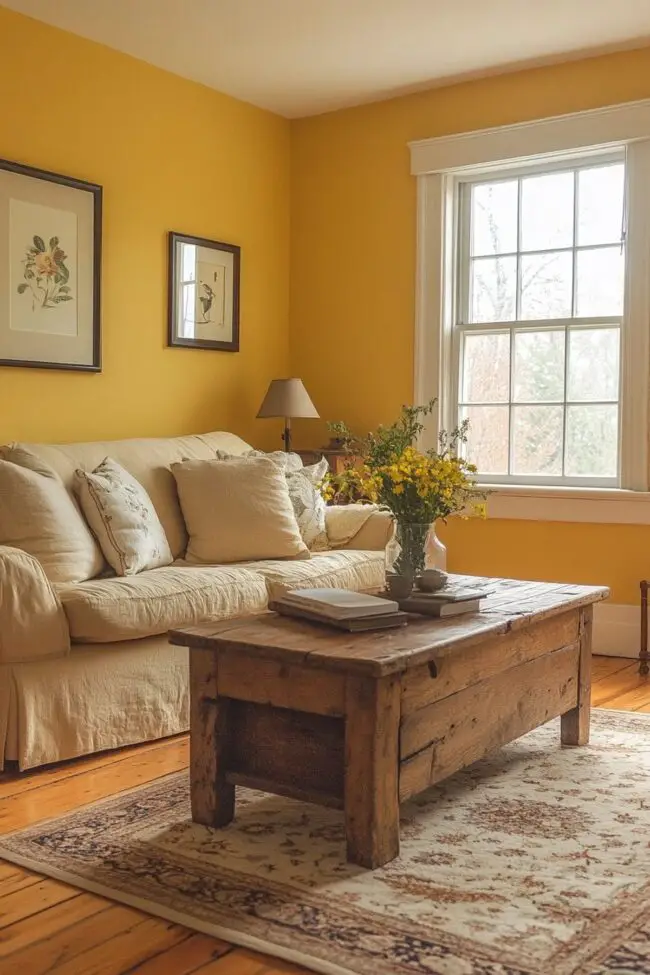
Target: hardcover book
<point>338,604</point>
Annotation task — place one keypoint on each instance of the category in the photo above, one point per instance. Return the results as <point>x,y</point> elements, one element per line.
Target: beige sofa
<point>88,667</point>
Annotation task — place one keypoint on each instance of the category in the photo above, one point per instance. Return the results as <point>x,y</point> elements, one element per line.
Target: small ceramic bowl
<point>430,580</point>
<point>399,587</point>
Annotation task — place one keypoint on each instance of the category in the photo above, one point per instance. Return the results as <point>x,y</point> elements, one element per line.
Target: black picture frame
<point>94,363</point>
<point>174,338</point>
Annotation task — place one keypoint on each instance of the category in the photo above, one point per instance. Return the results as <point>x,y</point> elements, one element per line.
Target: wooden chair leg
<point>644,656</point>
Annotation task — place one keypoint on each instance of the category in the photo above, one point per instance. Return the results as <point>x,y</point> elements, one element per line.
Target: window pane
<point>188,298</point>
<point>494,218</point>
<point>546,286</point>
<point>493,289</point>
<point>189,262</point>
<point>539,366</point>
<point>487,445</point>
<point>593,363</point>
<point>547,212</point>
<point>600,204</point>
<point>600,282</point>
<point>537,440</point>
<point>592,441</point>
<point>486,368</point>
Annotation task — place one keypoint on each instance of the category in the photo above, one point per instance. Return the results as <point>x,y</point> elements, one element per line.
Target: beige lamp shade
<point>288,398</point>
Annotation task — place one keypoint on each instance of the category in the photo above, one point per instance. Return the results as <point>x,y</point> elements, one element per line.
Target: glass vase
<point>435,554</point>
<point>412,541</point>
<point>414,548</point>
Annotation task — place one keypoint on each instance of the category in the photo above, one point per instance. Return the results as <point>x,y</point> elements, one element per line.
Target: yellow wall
<point>601,555</point>
<point>175,155</point>
<point>353,273</point>
<point>171,155</point>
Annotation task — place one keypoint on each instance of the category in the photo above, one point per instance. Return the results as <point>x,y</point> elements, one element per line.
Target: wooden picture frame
<point>203,293</point>
<point>50,269</point>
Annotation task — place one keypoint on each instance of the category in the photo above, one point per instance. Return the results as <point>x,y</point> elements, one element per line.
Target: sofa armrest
<point>32,621</point>
<point>358,526</point>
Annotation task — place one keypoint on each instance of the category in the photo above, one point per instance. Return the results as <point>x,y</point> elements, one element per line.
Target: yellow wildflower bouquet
<point>418,487</point>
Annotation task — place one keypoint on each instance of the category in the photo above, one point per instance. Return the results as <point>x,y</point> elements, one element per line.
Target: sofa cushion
<point>38,515</point>
<point>123,519</point>
<point>237,510</point>
<point>360,571</point>
<point>148,460</point>
<point>127,607</point>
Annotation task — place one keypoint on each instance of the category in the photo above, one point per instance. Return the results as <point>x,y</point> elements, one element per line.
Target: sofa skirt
<point>97,698</point>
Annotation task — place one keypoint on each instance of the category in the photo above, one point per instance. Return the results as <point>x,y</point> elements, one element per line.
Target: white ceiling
<point>302,57</point>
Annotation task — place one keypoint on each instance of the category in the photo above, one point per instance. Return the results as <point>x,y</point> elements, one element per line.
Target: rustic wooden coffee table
<point>362,722</point>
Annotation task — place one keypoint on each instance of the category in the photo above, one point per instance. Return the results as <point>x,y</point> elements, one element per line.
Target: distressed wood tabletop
<point>510,605</point>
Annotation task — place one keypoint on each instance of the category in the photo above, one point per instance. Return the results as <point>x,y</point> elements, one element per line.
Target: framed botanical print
<point>50,269</point>
<point>203,308</point>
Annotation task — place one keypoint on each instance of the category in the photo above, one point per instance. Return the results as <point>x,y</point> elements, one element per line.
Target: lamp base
<point>286,436</point>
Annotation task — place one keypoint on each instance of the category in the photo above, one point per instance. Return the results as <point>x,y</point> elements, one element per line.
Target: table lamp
<point>287,398</point>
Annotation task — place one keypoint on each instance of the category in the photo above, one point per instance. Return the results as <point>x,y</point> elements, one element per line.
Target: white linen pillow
<point>304,485</point>
<point>39,516</point>
<point>123,519</point>
<point>237,510</point>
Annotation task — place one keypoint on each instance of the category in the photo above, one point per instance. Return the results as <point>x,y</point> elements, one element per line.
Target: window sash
<point>551,325</point>
<point>464,202</point>
<point>462,298</point>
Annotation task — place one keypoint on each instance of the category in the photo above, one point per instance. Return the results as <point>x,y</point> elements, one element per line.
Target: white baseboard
<point>616,630</point>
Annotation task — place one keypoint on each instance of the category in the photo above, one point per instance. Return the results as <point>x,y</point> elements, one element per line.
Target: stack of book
<point>449,601</point>
<point>341,608</point>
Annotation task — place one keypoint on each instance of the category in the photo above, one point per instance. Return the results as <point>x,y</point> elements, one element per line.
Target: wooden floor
<point>49,928</point>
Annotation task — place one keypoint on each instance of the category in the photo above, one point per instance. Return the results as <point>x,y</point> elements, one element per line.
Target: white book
<point>339,604</point>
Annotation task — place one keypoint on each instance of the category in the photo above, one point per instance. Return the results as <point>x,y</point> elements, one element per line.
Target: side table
<point>337,459</point>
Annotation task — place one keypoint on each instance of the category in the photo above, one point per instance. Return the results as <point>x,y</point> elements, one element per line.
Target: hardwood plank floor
<point>50,928</point>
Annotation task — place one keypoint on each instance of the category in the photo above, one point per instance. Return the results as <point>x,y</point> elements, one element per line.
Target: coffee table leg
<point>372,770</point>
<point>212,798</point>
<point>575,723</point>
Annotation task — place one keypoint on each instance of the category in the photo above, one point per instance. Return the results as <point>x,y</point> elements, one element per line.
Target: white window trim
<point>436,163</point>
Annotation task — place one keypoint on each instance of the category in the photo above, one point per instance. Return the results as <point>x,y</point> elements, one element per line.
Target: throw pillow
<point>123,518</point>
<point>304,490</point>
<point>237,510</point>
<point>39,516</point>
<point>285,459</point>
<point>309,505</point>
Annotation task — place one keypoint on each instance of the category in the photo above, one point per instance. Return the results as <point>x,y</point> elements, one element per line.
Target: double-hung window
<point>538,320</point>
<point>533,305</point>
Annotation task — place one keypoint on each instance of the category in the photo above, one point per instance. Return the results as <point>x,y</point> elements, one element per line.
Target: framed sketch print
<point>50,268</point>
<point>203,293</point>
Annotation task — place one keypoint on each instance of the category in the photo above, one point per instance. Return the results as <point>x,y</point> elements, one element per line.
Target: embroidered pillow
<point>308,504</point>
<point>123,519</point>
<point>288,461</point>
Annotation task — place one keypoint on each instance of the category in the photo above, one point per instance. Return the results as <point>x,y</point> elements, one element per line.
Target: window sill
<point>610,506</point>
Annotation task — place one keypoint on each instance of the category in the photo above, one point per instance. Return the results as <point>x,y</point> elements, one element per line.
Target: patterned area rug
<point>534,862</point>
